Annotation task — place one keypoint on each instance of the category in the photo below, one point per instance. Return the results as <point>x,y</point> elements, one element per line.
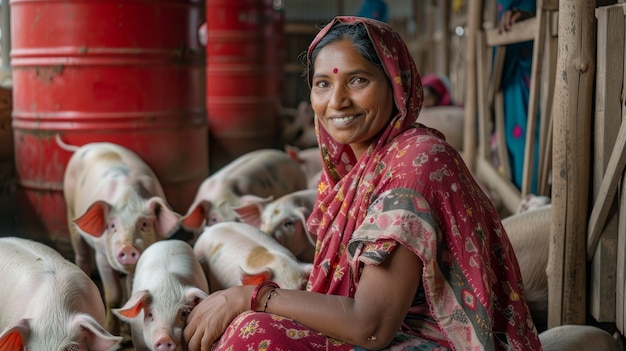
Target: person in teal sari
<point>515,86</point>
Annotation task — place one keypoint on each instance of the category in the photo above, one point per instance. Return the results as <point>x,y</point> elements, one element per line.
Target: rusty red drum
<point>131,72</point>
<point>243,98</point>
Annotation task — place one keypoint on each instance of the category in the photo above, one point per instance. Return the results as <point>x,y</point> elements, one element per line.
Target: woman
<point>436,90</point>
<point>410,252</point>
<point>515,86</point>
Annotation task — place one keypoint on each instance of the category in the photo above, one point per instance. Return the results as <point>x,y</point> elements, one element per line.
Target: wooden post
<point>469,137</point>
<point>608,115</point>
<point>571,155</point>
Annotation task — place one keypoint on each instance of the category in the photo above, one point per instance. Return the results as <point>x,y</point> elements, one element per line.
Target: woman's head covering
<point>343,197</point>
<point>403,77</point>
<point>438,85</point>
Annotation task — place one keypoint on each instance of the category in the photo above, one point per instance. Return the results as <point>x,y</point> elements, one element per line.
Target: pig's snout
<point>128,255</point>
<point>165,343</point>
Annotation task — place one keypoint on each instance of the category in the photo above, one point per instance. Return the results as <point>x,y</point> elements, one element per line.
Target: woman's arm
<point>370,320</point>
<point>373,317</point>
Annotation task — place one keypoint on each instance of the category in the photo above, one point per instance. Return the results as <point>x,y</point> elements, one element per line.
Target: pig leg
<point>83,253</point>
<point>112,292</point>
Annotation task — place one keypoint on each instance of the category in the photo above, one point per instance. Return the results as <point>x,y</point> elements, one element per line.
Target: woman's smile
<point>342,121</point>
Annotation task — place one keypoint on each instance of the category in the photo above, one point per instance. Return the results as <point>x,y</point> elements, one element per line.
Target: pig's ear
<point>293,152</point>
<point>253,199</point>
<point>168,221</point>
<point>194,296</point>
<point>94,335</point>
<point>303,213</point>
<point>93,221</point>
<point>250,213</point>
<point>255,278</point>
<point>14,338</point>
<point>195,218</point>
<point>131,309</point>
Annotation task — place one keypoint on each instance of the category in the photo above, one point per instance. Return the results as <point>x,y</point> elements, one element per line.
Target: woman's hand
<point>208,321</point>
<point>510,17</point>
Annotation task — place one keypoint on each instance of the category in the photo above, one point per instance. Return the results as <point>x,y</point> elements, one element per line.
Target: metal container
<point>131,72</point>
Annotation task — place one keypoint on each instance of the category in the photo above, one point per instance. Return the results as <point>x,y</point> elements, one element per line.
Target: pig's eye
<point>288,224</point>
<point>112,226</point>
<point>144,225</point>
<point>184,314</point>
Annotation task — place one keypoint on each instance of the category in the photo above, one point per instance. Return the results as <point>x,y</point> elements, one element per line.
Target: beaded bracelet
<point>257,290</point>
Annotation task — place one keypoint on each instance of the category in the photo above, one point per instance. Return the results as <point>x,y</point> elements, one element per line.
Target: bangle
<point>269,296</point>
<point>257,290</point>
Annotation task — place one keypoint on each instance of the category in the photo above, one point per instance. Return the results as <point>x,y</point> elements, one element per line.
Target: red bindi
<point>335,71</point>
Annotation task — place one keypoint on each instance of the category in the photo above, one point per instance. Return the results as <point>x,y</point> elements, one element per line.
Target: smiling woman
<point>410,253</point>
<point>353,102</point>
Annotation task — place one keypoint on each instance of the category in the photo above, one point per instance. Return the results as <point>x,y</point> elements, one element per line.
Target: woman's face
<point>351,96</point>
<point>430,99</point>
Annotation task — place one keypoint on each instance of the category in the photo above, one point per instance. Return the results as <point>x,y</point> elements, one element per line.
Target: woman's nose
<point>339,98</point>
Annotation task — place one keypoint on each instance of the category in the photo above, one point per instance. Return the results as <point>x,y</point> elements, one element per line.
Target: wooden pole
<point>469,137</point>
<point>571,162</point>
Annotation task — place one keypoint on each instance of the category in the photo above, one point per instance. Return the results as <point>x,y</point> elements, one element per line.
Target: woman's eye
<point>321,84</point>
<point>359,81</point>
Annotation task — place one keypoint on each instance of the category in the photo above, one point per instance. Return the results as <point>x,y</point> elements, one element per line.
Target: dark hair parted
<point>356,33</point>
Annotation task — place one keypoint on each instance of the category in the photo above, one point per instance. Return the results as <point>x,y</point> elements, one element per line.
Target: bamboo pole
<point>571,155</point>
<point>469,137</point>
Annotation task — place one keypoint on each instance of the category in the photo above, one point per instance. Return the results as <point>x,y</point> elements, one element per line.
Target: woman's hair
<point>357,34</point>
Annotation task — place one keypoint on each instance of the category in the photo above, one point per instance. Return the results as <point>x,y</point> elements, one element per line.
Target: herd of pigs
<point>248,221</point>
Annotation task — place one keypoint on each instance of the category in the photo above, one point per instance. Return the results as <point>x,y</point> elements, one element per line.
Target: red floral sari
<point>409,188</point>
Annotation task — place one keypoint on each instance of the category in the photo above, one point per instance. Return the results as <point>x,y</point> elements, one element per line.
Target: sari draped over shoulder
<point>412,188</point>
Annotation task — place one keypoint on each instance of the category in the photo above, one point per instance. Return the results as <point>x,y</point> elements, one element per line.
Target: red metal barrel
<point>242,94</point>
<point>129,72</point>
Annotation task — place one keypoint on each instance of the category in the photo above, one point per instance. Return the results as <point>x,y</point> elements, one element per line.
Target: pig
<point>531,202</point>
<point>255,176</point>
<point>168,283</point>
<point>449,120</point>
<point>235,253</point>
<point>48,303</point>
<point>116,208</point>
<point>284,219</point>
<point>579,338</point>
<point>300,131</point>
<point>529,233</point>
<point>310,160</point>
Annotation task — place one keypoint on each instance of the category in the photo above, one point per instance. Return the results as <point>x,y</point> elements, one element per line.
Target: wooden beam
<point>608,189</point>
<point>608,115</point>
<point>520,32</point>
<point>469,139</point>
<point>572,126</point>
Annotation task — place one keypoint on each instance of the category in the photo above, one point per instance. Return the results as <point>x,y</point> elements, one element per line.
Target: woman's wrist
<point>261,294</point>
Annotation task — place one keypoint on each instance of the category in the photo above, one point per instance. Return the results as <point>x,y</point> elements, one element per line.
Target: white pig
<point>117,208</point>
<point>529,233</point>
<point>579,338</point>
<point>310,160</point>
<point>235,253</point>
<point>168,283</point>
<point>300,130</point>
<point>48,303</point>
<point>284,219</point>
<point>264,173</point>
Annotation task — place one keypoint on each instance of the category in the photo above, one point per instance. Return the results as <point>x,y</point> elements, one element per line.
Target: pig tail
<point>257,292</point>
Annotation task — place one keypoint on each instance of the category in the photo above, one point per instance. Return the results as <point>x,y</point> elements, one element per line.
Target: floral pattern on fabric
<point>268,332</point>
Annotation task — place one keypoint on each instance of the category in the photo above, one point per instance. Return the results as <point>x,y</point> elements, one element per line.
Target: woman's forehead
<point>340,55</point>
